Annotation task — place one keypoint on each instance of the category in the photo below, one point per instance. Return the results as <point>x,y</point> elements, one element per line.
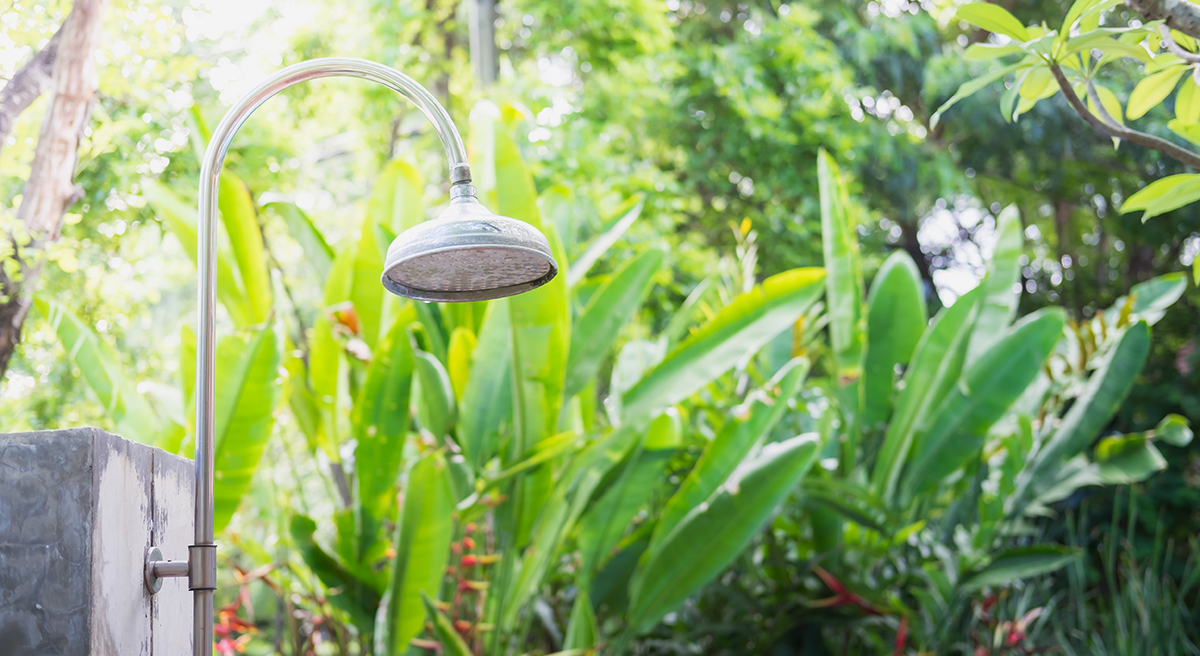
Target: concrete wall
<point>79,509</point>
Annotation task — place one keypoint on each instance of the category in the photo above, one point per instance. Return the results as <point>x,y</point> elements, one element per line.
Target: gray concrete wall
<point>79,508</point>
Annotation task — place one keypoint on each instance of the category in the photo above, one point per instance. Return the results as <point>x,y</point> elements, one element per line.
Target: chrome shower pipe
<point>201,571</point>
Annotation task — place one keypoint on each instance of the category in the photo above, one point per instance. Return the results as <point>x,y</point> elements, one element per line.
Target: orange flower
<point>469,560</point>
<point>468,543</point>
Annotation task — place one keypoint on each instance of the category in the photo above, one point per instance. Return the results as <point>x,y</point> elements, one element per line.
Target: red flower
<point>901,636</point>
<point>469,560</point>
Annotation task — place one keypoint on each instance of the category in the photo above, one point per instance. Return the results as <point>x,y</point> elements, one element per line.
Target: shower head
<point>468,254</point>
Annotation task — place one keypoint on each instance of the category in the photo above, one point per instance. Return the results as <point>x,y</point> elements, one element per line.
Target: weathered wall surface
<point>79,509</point>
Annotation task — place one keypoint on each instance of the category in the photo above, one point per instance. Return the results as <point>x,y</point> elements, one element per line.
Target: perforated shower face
<point>468,254</point>
<point>471,269</point>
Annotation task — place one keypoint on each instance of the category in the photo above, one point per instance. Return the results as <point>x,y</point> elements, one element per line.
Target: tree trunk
<point>26,86</point>
<point>1179,15</point>
<point>50,189</point>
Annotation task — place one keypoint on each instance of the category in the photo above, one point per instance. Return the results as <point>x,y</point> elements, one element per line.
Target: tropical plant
<point>933,479</point>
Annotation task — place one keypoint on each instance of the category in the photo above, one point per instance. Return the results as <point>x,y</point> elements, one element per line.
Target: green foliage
<point>422,543</point>
<point>573,432</point>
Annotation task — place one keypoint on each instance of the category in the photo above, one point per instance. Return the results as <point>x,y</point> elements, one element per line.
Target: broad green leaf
<point>848,500</point>
<point>1114,446</point>
<point>546,450</point>
<point>1135,462</point>
<point>540,337</point>
<point>1183,194</point>
<point>1114,49</point>
<point>713,534</point>
<point>1008,100</point>
<point>247,392</point>
<point>559,205</point>
<point>187,369</point>
<point>433,326</point>
<point>1038,84</point>
<point>993,18</point>
<point>1187,103</point>
<point>452,643</point>
<point>610,308</point>
<point>541,321</point>
<point>240,219</point>
<point>1023,105</point>
<point>1152,90</point>
<point>606,521</point>
<point>180,219</point>
<point>1073,14</point>
<point>971,87</point>
<point>1088,40</point>
<point>602,243</point>
<point>896,318</point>
<point>1152,298</point>
<point>729,448</point>
<point>682,319</point>
<point>843,280</point>
<point>324,363</point>
<point>998,304</point>
<point>133,417</point>
<point>956,430</point>
<point>738,331</point>
<point>458,359</point>
<point>422,542</point>
<point>1089,18</point>
<point>397,198</point>
<point>582,630</point>
<point>633,361</point>
<point>1103,394</point>
<point>562,509</point>
<point>317,251</point>
<point>1019,563</point>
<point>1110,103</point>
<point>1156,190</point>
<point>487,399</point>
<point>989,51</point>
<point>434,397</point>
<point>366,293</point>
<point>935,368</point>
<point>1174,430</point>
<point>342,589</point>
<point>325,354</point>
<point>1189,131</point>
<point>380,427</point>
<point>301,400</point>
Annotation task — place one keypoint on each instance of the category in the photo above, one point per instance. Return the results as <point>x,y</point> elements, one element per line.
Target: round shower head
<point>468,254</point>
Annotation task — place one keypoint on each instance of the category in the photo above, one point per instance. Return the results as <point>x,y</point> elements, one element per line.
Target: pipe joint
<point>202,572</point>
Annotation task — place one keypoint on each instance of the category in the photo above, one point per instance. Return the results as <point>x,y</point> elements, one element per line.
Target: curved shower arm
<point>201,570</point>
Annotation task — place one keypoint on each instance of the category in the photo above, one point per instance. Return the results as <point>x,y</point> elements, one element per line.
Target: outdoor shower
<point>466,254</point>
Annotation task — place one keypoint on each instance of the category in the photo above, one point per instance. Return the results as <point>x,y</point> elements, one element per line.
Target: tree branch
<point>1174,48</point>
<point>50,188</point>
<point>1177,14</point>
<point>34,79</point>
<point>1121,132</point>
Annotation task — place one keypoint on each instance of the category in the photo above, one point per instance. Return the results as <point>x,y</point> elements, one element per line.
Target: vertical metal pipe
<point>202,554</point>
